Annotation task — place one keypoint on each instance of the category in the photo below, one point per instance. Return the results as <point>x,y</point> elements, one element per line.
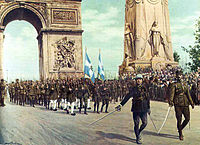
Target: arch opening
<point>23,14</point>
<point>20,55</point>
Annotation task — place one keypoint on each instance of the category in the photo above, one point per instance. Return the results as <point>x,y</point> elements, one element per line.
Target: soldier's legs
<point>103,103</point>
<point>72,108</point>
<point>78,103</point>
<point>136,119</point>
<point>30,102</point>
<point>81,103</point>
<point>85,105</point>
<point>51,104</point>
<point>178,111</point>
<point>186,114</point>
<point>55,105</point>
<point>61,103</point>
<point>2,102</point>
<point>178,117</point>
<point>65,104</point>
<point>97,107</point>
<point>107,103</point>
<point>23,100</point>
<point>98,101</point>
<point>45,101</point>
<point>95,104</point>
<point>17,99</point>
<point>48,103</point>
<point>143,117</point>
<point>10,96</point>
<point>88,104</point>
<point>33,102</point>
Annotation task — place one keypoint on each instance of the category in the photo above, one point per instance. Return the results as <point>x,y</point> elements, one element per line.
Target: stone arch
<point>23,12</point>
<point>58,22</point>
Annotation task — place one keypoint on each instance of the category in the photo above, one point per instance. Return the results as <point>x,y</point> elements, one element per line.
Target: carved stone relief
<point>41,7</point>
<point>153,1</point>
<point>67,16</point>
<point>64,54</point>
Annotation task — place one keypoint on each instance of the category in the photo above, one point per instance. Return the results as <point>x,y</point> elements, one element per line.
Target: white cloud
<point>184,23</point>
<point>103,26</point>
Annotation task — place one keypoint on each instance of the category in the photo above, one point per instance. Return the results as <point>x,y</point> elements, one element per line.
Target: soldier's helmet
<point>139,76</point>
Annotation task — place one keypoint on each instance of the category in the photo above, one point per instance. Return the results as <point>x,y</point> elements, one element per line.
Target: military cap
<point>139,76</point>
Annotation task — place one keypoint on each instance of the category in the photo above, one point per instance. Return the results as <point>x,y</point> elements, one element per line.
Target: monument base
<point>155,63</point>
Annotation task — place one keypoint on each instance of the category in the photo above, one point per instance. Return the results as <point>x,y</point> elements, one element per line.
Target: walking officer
<point>140,106</point>
<point>181,99</point>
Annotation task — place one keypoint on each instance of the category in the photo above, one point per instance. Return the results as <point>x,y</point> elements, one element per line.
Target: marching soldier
<point>105,97</point>
<point>17,91</point>
<point>11,89</point>
<point>97,98</point>
<point>2,92</point>
<point>140,106</point>
<point>71,100</point>
<point>42,94</point>
<point>47,94</point>
<point>22,94</point>
<point>32,94</point>
<point>181,99</point>
<point>84,98</point>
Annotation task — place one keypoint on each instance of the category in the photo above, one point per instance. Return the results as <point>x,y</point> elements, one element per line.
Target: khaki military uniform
<point>181,99</point>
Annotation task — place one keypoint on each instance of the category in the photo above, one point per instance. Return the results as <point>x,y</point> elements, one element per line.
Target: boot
<point>180,135</point>
<point>73,114</point>
<point>139,139</point>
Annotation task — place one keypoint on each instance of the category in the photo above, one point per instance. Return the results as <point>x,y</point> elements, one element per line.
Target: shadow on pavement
<point>161,134</point>
<point>115,136</point>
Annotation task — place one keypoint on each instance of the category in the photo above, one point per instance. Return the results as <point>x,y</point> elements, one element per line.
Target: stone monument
<point>147,37</point>
<point>59,27</point>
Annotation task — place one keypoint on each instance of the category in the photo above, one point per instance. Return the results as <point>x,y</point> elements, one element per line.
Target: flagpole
<point>98,75</point>
<point>85,60</point>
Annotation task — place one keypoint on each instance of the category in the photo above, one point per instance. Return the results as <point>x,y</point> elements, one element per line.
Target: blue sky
<point>103,25</point>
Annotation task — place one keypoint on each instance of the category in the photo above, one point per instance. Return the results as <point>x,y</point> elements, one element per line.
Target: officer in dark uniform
<point>140,106</point>
<point>181,99</point>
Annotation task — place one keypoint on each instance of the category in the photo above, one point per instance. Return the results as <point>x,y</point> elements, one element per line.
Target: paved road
<point>38,126</point>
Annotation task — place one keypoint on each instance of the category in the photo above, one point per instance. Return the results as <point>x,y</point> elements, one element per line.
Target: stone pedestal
<point>155,63</point>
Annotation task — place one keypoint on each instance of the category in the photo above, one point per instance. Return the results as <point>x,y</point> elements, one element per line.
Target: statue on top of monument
<point>159,45</point>
<point>155,39</point>
<point>129,42</point>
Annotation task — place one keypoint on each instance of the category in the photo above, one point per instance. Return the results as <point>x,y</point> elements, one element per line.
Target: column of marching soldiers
<point>66,94</point>
<point>73,93</point>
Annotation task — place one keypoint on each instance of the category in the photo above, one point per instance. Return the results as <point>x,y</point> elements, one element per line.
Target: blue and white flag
<point>101,69</point>
<point>88,70</point>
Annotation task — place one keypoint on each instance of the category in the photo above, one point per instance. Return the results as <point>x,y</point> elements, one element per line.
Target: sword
<point>102,117</point>
<point>165,119</point>
<point>153,123</point>
<point>189,125</point>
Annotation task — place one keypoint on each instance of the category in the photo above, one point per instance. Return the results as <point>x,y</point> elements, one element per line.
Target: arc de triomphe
<point>59,27</point>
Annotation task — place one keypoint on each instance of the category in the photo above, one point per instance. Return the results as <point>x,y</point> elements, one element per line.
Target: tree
<point>194,51</point>
<point>176,56</point>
